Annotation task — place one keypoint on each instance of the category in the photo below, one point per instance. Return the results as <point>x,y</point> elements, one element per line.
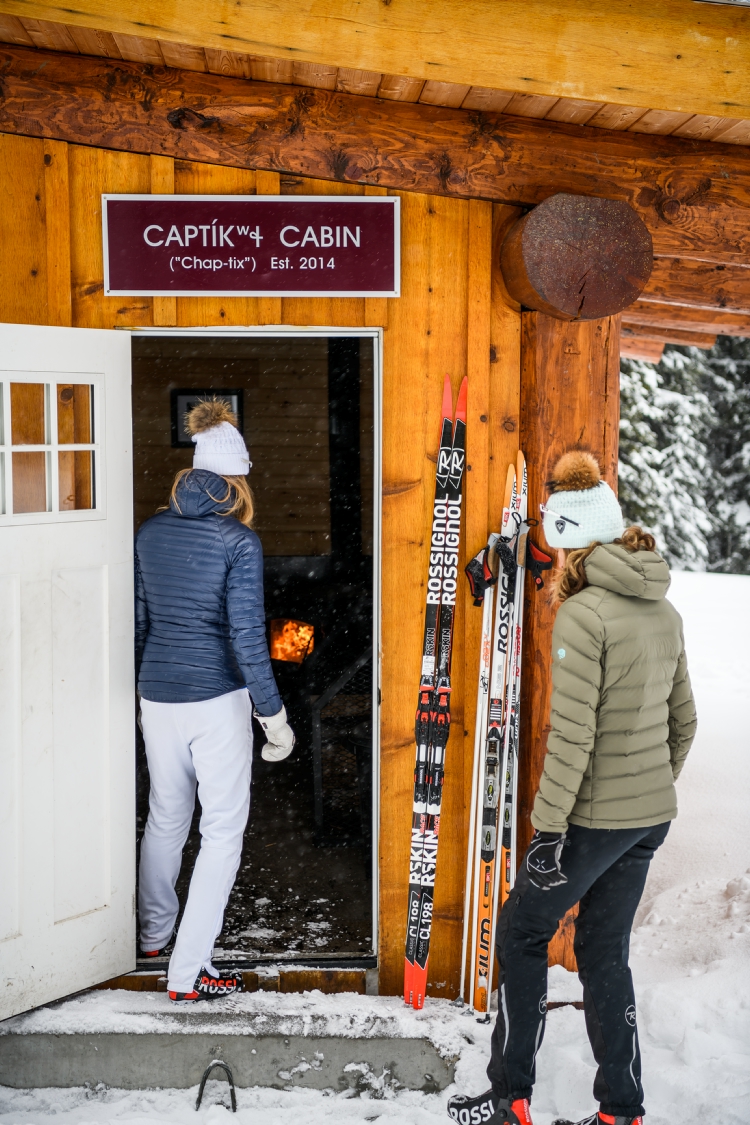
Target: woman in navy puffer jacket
<point>202,663</point>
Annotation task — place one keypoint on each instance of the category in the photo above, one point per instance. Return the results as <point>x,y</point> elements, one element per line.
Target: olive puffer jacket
<point>199,618</point>
<point>623,717</point>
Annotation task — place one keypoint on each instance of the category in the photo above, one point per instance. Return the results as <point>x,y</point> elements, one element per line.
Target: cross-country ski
<point>490,852</point>
<point>432,726</point>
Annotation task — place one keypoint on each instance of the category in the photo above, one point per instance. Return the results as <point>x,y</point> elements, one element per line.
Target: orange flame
<point>291,640</point>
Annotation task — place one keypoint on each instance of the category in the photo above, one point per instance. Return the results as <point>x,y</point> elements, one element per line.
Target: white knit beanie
<point>583,508</point>
<point>219,445</point>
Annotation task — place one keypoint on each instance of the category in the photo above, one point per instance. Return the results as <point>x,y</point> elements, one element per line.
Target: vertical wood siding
<point>454,316</point>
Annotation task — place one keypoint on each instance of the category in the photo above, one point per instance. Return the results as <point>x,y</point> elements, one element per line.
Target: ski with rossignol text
<point>498,757</point>
<point>426,701</point>
<point>440,717</point>
<point>513,690</point>
<point>482,581</point>
<point>485,860</point>
<point>532,558</point>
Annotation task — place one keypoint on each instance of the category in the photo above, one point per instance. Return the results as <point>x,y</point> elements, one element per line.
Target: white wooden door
<point>67,822</point>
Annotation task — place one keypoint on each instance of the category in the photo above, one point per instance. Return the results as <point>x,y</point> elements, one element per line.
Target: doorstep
<point>267,978</point>
<point>139,1040</point>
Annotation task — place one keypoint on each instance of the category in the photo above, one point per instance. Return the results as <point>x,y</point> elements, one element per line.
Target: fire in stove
<point>291,640</point>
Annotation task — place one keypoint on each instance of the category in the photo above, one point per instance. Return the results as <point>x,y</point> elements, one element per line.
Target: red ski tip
<point>461,404</point>
<point>408,972</point>
<point>419,987</point>
<point>447,398</point>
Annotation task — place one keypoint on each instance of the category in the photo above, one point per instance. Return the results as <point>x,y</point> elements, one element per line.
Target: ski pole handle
<point>537,560</point>
<point>480,575</point>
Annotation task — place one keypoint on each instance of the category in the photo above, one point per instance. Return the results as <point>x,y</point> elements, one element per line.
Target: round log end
<point>577,257</point>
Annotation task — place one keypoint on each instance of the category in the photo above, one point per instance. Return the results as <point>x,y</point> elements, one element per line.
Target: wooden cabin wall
<point>453,316</point>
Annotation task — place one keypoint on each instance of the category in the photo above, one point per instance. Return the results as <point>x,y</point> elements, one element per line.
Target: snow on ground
<point>690,951</point>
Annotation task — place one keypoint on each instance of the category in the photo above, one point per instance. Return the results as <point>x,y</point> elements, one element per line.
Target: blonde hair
<point>571,579</point>
<point>238,497</point>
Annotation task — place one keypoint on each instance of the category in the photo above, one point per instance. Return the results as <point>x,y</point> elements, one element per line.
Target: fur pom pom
<point>208,413</point>
<point>575,472</point>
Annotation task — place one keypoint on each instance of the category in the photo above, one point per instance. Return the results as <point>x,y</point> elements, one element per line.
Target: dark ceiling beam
<point>694,197</point>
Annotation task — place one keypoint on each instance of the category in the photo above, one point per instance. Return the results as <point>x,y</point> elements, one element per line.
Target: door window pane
<point>29,480</point>
<point>27,418</point>
<point>76,478</point>
<point>74,402</point>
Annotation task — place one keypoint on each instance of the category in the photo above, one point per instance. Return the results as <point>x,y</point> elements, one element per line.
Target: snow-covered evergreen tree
<point>664,465</point>
<point>726,381</point>
<point>685,453</point>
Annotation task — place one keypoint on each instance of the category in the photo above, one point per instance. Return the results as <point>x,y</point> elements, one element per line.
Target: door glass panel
<point>74,402</point>
<point>27,418</point>
<point>76,478</point>
<point>29,480</point>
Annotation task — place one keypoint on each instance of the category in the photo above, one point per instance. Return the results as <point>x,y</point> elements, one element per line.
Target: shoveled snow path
<point>690,950</point>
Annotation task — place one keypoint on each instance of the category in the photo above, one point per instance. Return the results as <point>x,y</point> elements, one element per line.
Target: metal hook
<point>213,1066</point>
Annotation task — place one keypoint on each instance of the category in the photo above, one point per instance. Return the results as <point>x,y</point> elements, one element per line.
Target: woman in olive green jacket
<point>621,724</point>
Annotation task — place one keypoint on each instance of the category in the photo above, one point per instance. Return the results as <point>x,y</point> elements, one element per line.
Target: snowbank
<point>690,953</point>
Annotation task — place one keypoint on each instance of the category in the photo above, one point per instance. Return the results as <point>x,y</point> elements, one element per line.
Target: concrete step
<point>138,1040</point>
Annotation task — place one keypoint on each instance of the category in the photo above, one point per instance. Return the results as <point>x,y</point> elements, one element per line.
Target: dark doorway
<point>304,889</point>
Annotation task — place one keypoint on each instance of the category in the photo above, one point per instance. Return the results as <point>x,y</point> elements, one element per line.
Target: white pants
<point>208,744</point>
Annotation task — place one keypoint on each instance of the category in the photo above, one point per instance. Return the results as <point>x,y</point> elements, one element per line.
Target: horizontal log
<point>663,55</point>
<point>575,257</point>
<point>694,197</point>
<point>700,284</point>
<point>639,348</point>
<point>691,320</point>
<point>667,336</point>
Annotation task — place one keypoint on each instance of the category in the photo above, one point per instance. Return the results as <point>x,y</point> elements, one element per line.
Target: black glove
<point>543,860</point>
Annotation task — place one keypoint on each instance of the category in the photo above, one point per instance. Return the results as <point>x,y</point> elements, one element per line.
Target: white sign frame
<point>379,200</point>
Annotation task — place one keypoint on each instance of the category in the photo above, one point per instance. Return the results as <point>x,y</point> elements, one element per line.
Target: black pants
<point>606,870</point>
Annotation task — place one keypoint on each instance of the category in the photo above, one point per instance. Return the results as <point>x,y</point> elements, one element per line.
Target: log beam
<point>639,332</point>
<point>637,348</point>
<point>693,197</point>
<point>690,320</point>
<point>704,285</point>
<point>669,56</point>
<point>575,257</point>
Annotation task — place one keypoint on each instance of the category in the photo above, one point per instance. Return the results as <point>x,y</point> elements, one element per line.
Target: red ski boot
<point>489,1109</point>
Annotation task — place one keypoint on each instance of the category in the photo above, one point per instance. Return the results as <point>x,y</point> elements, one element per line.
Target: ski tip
<point>408,974</point>
<point>447,398</point>
<point>510,480</point>
<point>520,467</point>
<point>419,987</point>
<point>461,404</point>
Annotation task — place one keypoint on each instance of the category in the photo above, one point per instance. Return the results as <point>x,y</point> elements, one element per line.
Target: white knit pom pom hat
<point>219,445</point>
<point>583,508</point>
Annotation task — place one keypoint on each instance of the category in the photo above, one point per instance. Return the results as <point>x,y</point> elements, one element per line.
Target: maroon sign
<point>244,246</point>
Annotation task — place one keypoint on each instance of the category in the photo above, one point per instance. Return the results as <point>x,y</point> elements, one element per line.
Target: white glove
<point>279,734</point>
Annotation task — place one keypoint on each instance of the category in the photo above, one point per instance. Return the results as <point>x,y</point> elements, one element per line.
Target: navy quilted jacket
<point>199,616</point>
